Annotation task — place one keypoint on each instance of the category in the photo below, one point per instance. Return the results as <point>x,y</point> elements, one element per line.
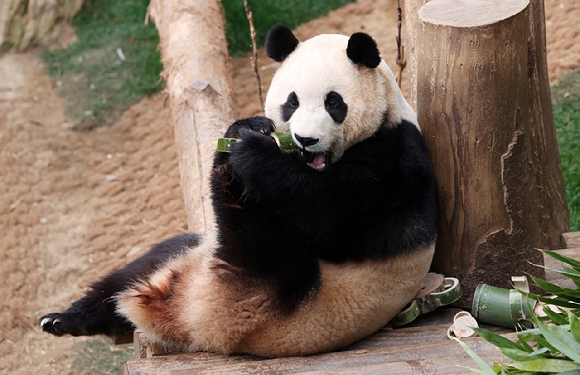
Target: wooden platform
<point>419,348</point>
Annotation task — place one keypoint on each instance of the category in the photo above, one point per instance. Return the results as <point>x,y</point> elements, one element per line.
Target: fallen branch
<point>401,60</point>
<point>254,57</point>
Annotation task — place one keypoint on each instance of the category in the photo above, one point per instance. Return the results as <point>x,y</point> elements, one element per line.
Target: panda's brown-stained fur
<point>207,310</point>
<point>214,312</point>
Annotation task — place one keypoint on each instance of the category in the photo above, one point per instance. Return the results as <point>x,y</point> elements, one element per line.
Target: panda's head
<point>331,92</point>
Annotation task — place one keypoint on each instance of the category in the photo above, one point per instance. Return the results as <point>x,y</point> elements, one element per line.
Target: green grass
<point>566,105</point>
<point>99,356</point>
<point>267,13</point>
<point>94,80</point>
<point>98,85</point>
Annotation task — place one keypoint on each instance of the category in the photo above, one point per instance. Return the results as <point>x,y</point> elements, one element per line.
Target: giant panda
<point>315,248</point>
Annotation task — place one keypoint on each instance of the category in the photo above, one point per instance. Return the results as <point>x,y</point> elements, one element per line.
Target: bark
<point>552,203</point>
<point>477,102</point>
<point>26,23</point>
<point>197,71</point>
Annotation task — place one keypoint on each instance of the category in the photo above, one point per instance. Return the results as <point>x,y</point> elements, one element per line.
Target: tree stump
<point>197,71</point>
<point>475,104</point>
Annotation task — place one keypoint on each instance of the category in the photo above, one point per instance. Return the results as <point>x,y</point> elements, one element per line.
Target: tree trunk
<point>197,71</point>
<point>476,109</point>
<point>25,23</point>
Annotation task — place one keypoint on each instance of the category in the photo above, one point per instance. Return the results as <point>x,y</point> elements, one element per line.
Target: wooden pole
<point>197,71</point>
<point>412,27</point>
<point>475,107</point>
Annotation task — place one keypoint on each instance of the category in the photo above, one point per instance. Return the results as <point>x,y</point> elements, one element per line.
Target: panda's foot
<point>82,320</point>
<point>60,324</point>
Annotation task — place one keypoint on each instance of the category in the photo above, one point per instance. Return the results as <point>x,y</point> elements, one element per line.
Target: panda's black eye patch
<point>290,106</point>
<point>335,106</point>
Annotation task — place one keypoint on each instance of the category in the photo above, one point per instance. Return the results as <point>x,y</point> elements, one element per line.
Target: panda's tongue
<point>319,161</point>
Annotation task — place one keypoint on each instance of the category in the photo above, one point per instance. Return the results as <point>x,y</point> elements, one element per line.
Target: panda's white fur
<point>318,66</point>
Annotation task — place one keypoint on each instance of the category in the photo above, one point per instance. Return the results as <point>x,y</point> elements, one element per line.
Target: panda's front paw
<point>252,155</point>
<point>257,124</point>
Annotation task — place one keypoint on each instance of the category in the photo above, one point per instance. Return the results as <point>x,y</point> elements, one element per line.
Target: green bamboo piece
<point>501,307</point>
<point>283,140</point>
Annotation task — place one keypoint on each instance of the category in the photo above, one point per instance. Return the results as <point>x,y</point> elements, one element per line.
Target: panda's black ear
<point>280,43</point>
<point>362,49</point>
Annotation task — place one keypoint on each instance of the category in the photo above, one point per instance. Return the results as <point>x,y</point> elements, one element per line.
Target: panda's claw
<point>257,124</point>
<point>44,321</point>
<point>60,324</point>
<point>49,323</point>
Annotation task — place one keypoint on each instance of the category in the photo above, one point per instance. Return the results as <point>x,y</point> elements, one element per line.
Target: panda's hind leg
<point>96,313</point>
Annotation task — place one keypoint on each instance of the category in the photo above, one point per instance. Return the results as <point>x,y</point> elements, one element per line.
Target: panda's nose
<point>306,141</point>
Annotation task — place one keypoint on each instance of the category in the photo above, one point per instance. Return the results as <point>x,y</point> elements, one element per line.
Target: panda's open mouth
<point>316,160</point>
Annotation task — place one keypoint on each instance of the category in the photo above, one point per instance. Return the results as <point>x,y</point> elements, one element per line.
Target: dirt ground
<point>74,205</point>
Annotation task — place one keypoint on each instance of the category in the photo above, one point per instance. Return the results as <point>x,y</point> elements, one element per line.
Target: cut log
<point>554,215</point>
<point>475,104</point>
<point>570,240</point>
<point>197,71</point>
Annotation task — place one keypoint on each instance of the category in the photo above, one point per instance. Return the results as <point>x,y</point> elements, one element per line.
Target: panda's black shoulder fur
<point>277,217</point>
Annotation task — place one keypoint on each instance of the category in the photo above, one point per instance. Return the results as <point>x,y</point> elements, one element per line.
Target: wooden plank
<point>555,277</point>
<point>571,240</point>
<point>435,357</point>
<point>427,328</point>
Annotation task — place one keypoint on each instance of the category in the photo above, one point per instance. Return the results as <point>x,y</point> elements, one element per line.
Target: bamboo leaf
<point>571,276</point>
<point>571,270</point>
<point>485,369</point>
<point>562,258</point>
<point>519,355</point>
<point>533,333</point>
<point>573,296</point>
<point>543,343</point>
<point>523,341</point>
<point>547,365</point>
<point>539,351</point>
<point>549,287</point>
<point>557,318</point>
<point>497,340</point>
<point>553,301</point>
<point>574,325</point>
<point>562,340</point>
